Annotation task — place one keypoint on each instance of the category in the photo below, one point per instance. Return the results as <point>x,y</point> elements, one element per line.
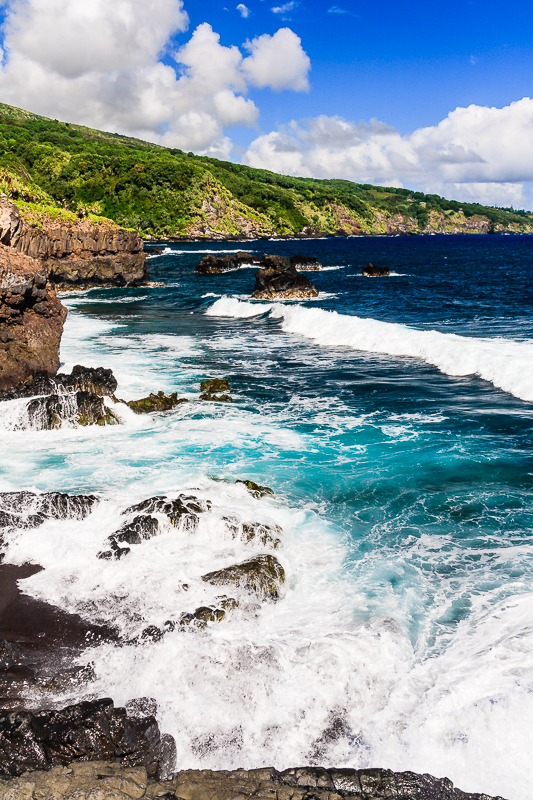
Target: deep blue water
<point>404,484</point>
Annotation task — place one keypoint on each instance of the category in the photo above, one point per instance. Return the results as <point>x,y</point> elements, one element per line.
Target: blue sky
<point>425,95</point>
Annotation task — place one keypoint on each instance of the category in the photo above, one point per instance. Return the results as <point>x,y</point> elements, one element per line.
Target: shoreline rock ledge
<point>105,780</point>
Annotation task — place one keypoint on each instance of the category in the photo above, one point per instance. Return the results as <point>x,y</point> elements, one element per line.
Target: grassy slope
<point>57,168</point>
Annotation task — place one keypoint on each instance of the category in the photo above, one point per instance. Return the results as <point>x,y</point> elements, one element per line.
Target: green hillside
<point>61,168</point>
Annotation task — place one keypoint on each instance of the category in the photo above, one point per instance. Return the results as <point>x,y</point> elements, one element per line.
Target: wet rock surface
<point>90,731</point>
<point>371,271</point>
<point>255,489</point>
<point>93,380</point>
<point>156,402</point>
<point>111,781</point>
<point>215,390</point>
<point>280,281</point>
<point>28,509</point>
<point>262,575</point>
<point>211,265</point>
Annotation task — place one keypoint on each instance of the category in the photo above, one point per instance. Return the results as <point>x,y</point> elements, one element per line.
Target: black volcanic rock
<point>156,402</point>
<point>371,271</point>
<point>284,283</point>
<point>306,262</point>
<point>262,575</point>
<point>211,265</point>
<point>90,731</point>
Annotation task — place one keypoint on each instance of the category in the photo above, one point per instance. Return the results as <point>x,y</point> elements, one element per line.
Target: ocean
<point>392,417</point>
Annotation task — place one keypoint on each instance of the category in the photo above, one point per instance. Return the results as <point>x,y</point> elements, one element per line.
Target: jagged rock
<point>182,511</point>
<point>308,263</point>
<point>202,616</point>
<point>280,282</point>
<point>111,781</point>
<point>29,510</point>
<point>371,271</point>
<point>210,388</point>
<point>138,530</point>
<point>115,553</point>
<point>87,731</point>
<point>156,402</point>
<point>254,532</point>
<point>82,408</point>
<point>97,381</point>
<point>154,251</point>
<point>262,575</point>
<point>31,319</point>
<point>256,489</point>
<point>211,265</point>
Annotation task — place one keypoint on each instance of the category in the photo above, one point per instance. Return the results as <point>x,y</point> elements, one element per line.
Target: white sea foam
<point>506,363</point>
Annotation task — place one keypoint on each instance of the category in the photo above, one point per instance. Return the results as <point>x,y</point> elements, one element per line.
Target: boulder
<point>89,731</point>
<point>371,271</point>
<point>262,575</point>
<point>182,511</point>
<point>254,532</point>
<point>156,402</point>
<point>31,319</point>
<point>78,408</point>
<point>24,506</point>
<point>284,283</point>
<point>97,381</point>
<point>211,265</point>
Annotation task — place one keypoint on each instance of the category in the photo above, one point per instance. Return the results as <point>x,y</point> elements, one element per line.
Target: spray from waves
<point>171,251</point>
<point>505,363</point>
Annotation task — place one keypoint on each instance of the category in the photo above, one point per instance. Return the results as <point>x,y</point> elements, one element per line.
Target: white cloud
<point>285,9</point>
<point>99,63</point>
<point>278,61</point>
<point>476,153</point>
<point>243,10</point>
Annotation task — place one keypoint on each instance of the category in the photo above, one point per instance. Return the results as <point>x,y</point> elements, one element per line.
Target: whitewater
<point>393,420</point>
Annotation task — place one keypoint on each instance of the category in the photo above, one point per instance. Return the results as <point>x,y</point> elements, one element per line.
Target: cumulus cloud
<point>278,61</point>
<point>100,63</point>
<point>285,9</point>
<point>243,10</point>
<point>476,153</point>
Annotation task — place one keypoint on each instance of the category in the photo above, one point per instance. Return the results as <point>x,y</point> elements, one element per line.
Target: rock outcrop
<point>77,253</point>
<point>278,281</point>
<point>371,271</point>
<point>111,781</point>
<point>156,402</point>
<point>31,316</point>
<point>90,731</point>
<point>211,265</point>
<point>211,390</point>
<point>262,575</point>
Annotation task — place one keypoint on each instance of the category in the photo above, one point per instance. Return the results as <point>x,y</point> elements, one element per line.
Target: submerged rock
<point>262,575</point>
<point>254,532</point>
<point>90,731</point>
<point>156,402</point>
<point>371,271</point>
<point>277,281</point>
<point>255,489</point>
<point>27,509</point>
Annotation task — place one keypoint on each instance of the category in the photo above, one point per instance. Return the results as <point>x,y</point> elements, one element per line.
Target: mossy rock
<point>255,488</point>
<point>262,575</point>
<point>214,385</point>
<point>216,398</point>
<point>156,402</point>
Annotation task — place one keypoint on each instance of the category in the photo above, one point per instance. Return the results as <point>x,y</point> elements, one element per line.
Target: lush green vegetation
<point>163,192</point>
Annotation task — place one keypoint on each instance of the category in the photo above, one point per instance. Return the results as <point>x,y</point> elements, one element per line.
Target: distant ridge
<point>52,168</point>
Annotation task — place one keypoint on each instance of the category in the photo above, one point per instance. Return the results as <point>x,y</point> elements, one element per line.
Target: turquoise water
<point>393,419</point>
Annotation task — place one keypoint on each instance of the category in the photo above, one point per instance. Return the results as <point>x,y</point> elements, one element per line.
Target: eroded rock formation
<point>31,318</point>
<point>211,265</point>
<point>278,281</point>
<point>371,271</point>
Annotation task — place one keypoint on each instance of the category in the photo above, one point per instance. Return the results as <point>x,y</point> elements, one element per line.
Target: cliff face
<point>76,253</point>
<point>31,319</point>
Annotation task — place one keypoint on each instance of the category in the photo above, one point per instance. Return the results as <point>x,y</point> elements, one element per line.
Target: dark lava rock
<point>182,511</point>
<point>115,553</point>
<point>90,731</point>
<point>211,265</point>
<point>153,251</point>
<point>282,282</point>
<point>97,381</point>
<point>156,402</point>
<point>256,489</point>
<point>26,509</point>
<point>371,271</point>
<point>141,528</point>
<point>306,262</point>
<point>202,616</point>
<point>254,532</point>
<point>82,408</point>
<point>262,575</point>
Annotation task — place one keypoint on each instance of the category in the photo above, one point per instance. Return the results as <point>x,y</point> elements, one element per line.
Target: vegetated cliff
<point>78,252</point>
<point>31,319</point>
<point>167,193</point>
